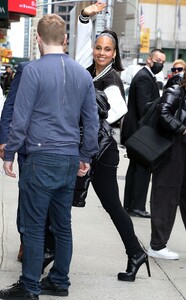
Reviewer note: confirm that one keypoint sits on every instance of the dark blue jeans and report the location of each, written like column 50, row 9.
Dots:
column 46, row 184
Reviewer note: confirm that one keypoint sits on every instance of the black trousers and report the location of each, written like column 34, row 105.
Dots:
column 168, row 191
column 106, row 187
column 136, row 187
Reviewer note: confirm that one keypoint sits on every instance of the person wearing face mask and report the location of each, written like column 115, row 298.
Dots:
column 143, row 89
column 177, row 73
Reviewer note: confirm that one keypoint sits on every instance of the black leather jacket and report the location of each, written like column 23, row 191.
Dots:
column 171, row 118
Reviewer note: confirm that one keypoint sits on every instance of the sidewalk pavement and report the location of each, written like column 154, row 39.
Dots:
column 98, row 253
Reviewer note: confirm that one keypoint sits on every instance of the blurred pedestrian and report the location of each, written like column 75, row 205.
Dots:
column 48, row 89
column 7, row 79
column 143, row 89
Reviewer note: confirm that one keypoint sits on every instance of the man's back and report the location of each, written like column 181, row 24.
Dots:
column 56, row 91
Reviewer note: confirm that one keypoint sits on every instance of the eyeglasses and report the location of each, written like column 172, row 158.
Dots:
column 176, row 69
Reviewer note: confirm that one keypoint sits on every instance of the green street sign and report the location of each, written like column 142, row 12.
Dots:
column 3, row 9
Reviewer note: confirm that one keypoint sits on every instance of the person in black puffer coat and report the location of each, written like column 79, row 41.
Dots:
column 169, row 182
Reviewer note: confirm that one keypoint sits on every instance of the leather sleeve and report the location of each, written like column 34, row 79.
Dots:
column 167, row 111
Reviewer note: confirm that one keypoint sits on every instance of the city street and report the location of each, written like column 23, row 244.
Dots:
column 98, row 253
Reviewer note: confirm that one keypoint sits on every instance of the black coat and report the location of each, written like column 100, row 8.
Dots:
column 109, row 78
column 176, row 79
column 143, row 89
column 168, row 118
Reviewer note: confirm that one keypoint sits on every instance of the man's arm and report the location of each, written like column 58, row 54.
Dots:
column 7, row 112
column 23, row 108
column 90, row 120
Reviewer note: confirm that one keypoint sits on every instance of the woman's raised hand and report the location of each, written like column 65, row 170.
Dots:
column 94, row 8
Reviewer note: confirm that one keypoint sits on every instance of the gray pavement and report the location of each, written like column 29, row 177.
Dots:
column 98, row 253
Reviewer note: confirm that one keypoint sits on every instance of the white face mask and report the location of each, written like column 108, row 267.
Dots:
column 181, row 74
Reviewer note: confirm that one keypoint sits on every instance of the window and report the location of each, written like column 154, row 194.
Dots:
column 61, row 8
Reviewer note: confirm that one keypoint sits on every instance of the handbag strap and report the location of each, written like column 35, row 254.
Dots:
column 149, row 111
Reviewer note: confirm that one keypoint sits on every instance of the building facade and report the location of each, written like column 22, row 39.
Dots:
column 164, row 20
column 11, row 11
column 42, row 8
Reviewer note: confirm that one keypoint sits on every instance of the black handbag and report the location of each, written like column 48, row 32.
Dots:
column 148, row 148
column 81, row 189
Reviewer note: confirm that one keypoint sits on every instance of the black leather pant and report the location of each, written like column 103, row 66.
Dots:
column 106, row 187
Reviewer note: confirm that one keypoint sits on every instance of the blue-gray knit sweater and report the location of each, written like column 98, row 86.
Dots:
column 53, row 93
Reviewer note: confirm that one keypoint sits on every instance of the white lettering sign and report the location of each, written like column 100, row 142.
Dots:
column 2, row 10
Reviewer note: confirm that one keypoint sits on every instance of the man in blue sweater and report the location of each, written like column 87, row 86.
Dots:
column 54, row 92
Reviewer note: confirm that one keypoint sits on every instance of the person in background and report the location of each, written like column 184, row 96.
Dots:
column 6, row 118
column 43, row 118
column 177, row 73
column 8, row 76
column 143, row 89
column 169, row 181
column 103, row 62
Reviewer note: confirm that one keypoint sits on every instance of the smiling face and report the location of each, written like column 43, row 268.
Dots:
column 103, row 52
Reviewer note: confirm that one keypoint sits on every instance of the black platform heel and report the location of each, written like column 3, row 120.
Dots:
column 48, row 258
column 134, row 263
